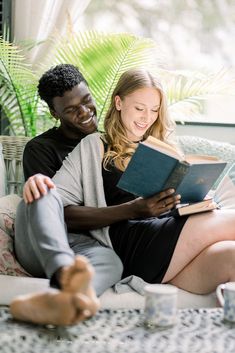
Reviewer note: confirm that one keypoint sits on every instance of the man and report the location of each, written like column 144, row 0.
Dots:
column 42, row 244
column 67, row 95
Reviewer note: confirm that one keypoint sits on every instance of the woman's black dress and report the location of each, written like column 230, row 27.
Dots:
column 145, row 246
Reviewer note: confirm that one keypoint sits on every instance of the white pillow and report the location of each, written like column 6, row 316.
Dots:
column 225, row 192
column 2, row 174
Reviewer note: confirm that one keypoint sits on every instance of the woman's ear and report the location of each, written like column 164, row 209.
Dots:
column 118, row 103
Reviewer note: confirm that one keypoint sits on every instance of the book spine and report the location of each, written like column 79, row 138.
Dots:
column 174, row 180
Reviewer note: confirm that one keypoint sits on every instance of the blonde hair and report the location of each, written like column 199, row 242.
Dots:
column 120, row 148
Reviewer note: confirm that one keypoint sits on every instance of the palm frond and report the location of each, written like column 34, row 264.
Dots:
column 18, row 90
column 102, row 58
column 187, row 91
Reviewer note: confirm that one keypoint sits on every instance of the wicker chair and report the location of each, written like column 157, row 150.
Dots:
column 13, row 147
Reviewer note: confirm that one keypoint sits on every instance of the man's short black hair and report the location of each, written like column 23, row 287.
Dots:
column 57, row 80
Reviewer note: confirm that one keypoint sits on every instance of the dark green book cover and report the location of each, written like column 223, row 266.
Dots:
column 151, row 171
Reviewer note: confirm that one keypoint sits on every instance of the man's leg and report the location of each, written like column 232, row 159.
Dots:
column 42, row 247
column 41, row 243
column 106, row 263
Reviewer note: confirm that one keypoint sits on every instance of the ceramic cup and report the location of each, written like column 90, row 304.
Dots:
column 226, row 296
column 160, row 305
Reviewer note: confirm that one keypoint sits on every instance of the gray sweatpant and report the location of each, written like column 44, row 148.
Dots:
column 43, row 245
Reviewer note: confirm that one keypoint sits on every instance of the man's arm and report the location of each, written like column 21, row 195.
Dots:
column 88, row 218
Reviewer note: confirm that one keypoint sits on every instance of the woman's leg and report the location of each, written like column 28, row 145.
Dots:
column 214, row 265
column 200, row 232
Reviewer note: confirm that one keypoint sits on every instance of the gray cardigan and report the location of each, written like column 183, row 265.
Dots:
column 79, row 180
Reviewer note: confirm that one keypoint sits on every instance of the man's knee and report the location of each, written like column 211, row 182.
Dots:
column 114, row 264
column 108, row 268
column 51, row 198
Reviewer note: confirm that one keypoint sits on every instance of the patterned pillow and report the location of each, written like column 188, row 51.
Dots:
column 8, row 263
column 8, row 205
column 2, row 174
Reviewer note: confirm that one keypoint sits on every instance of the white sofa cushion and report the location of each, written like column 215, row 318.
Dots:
column 11, row 286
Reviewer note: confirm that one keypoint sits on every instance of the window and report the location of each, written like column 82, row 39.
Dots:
column 192, row 35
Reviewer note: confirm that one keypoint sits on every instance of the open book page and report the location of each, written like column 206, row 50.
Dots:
column 194, row 159
column 163, row 147
column 173, row 152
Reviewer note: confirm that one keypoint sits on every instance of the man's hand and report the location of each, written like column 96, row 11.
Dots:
column 36, row 186
column 88, row 218
column 155, row 205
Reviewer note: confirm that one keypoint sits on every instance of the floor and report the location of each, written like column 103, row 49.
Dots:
column 120, row 331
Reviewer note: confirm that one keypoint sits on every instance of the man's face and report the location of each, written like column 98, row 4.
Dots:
column 76, row 111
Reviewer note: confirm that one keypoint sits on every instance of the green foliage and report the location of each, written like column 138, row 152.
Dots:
column 188, row 90
column 102, row 58
column 19, row 100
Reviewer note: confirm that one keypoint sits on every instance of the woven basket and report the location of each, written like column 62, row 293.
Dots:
column 13, row 147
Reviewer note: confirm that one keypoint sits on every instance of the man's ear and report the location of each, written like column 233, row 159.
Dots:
column 118, row 103
column 54, row 114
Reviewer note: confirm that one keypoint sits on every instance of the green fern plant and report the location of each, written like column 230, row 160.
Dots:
column 188, row 90
column 102, row 58
column 19, row 100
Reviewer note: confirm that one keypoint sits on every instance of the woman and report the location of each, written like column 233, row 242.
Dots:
column 195, row 253
column 167, row 250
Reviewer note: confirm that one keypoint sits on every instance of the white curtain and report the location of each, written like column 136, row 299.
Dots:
column 37, row 19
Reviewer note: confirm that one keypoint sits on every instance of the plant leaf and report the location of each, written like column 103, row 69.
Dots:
column 102, row 58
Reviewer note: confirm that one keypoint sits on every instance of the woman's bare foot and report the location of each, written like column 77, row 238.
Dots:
column 53, row 307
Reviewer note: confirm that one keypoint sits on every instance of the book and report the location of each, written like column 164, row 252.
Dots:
column 156, row 166
column 197, row 207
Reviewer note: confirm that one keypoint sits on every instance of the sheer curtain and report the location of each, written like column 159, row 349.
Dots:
column 37, row 19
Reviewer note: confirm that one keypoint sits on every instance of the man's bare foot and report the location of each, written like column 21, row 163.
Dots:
column 53, row 307
column 75, row 302
column 77, row 277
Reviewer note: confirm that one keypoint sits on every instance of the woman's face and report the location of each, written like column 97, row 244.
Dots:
column 139, row 110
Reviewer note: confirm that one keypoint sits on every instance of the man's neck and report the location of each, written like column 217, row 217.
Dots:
column 70, row 134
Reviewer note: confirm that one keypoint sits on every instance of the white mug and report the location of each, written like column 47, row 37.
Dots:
column 226, row 296
column 160, row 305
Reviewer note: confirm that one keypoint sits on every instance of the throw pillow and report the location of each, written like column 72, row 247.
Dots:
column 8, row 205
column 225, row 193
column 8, row 263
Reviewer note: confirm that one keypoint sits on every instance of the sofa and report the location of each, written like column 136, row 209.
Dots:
column 13, row 278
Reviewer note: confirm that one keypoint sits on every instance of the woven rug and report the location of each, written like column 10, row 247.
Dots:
column 117, row 331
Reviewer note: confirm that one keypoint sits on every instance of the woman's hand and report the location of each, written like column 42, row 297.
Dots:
column 36, row 186
column 155, row 205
